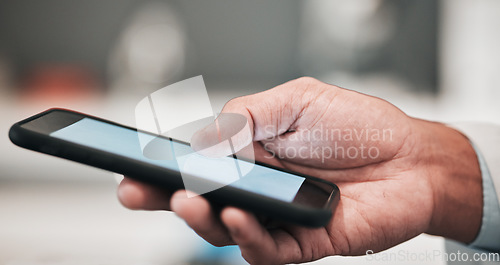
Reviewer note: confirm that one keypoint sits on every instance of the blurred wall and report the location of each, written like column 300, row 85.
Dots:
column 53, row 31
column 253, row 40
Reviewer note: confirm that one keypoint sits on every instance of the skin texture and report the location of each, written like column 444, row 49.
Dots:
column 424, row 177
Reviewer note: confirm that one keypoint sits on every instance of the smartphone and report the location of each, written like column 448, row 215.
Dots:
column 267, row 191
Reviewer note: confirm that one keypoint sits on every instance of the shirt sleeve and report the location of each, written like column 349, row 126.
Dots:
column 489, row 234
column 485, row 138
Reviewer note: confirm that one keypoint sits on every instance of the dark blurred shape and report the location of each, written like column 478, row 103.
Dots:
column 379, row 37
column 150, row 51
column 232, row 40
column 54, row 31
column 252, row 40
column 242, row 40
column 412, row 53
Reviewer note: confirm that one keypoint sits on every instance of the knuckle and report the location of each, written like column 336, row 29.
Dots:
column 305, row 83
column 234, row 103
column 307, row 79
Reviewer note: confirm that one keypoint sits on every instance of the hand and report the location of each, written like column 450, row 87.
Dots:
column 399, row 176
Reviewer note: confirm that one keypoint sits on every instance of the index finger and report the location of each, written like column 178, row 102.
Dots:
column 257, row 244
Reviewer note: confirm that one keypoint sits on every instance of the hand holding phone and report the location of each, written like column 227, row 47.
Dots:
column 387, row 196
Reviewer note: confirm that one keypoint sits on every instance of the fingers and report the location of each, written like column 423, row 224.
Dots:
column 258, row 245
column 198, row 214
column 196, row 211
column 139, row 196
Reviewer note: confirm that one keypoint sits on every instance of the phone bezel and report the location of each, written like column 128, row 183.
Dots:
column 38, row 138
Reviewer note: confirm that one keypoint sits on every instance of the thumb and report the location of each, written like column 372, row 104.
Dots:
column 250, row 118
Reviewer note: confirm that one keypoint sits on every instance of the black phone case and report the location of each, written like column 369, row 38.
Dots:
column 155, row 175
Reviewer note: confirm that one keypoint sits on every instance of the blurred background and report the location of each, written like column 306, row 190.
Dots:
column 436, row 60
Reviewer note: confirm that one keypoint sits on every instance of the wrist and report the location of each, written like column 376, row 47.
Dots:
column 451, row 164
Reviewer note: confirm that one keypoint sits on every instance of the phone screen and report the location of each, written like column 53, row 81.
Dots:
column 125, row 142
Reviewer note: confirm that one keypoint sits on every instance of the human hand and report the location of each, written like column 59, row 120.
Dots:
column 398, row 176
